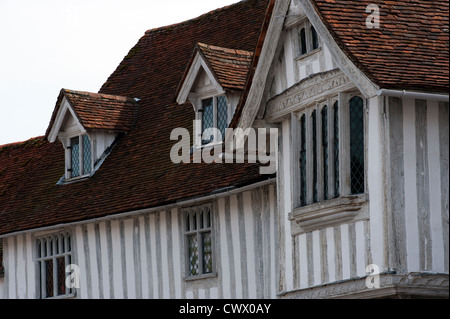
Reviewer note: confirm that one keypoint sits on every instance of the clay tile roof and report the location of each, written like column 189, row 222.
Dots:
column 138, row 173
column 230, row 66
column 410, row 49
column 99, row 111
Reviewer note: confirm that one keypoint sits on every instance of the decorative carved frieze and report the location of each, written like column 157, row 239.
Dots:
column 306, row 92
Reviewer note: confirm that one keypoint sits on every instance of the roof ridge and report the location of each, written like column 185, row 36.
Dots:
column 187, row 22
column 13, row 144
column 102, row 95
column 201, row 45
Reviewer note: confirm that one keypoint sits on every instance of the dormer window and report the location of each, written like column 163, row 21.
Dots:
column 80, row 156
column 214, row 119
column 88, row 126
column 213, row 82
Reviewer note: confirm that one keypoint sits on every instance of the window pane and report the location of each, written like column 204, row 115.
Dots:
column 49, row 278
column 325, row 150
column 314, row 154
column 87, row 158
column 75, row 156
column 207, row 252
column 222, row 115
column 193, row 255
column 207, row 120
column 315, row 41
column 303, row 160
column 61, row 275
column 303, row 48
column 336, row 148
column 357, row 145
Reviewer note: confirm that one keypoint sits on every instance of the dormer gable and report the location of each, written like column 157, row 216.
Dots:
column 213, row 83
column 88, row 124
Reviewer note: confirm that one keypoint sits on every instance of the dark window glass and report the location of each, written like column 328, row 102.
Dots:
column 303, row 48
column 315, row 41
column 314, row 155
column 357, row 145
column 336, row 148
column 325, row 150
column 303, row 160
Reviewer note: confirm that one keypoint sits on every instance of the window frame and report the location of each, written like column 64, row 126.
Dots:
column 310, row 36
column 80, row 156
column 310, row 214
column 199, row 134
column 187, row 213
column 40, row 260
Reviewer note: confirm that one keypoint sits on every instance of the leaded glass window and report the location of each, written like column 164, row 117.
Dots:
column 207, row 121
column 214, row 118
column 199, row 240
column 325, row 150
column 329, row 165
column 53, row 254
column 222, row 114
column 80, row 156
column 336, row 147
column 357, row 145
column 75, row 156
column 87, row 157
column 303, row 160
column 314, row 155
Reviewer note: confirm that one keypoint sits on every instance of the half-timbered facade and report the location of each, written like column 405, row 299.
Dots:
column 357, row 208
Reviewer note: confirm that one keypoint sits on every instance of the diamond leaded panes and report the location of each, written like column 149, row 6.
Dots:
column 207, row 252
column 75, row 156
column 336, row 147
column 53, row 255
column 193, row 255
column 222, row 115
column 314, row 155
column 87, row 157
column 199, row 240
column 325, row 150
column 303, row 160
column 357, row 145
column 207, row 121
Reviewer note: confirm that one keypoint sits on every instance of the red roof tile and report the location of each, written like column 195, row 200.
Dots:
column 99, row 111
column 230, row 66
column 410, row 49
column 138, row 173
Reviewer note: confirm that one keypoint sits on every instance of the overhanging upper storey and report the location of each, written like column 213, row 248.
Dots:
column 87, row 124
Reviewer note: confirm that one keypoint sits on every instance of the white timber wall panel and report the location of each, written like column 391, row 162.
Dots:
column 250, row 243
column 143, row 256
column 436, row 221
column 425, row 180
column 235, row 244
column 332, row 254
column 375, row 181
